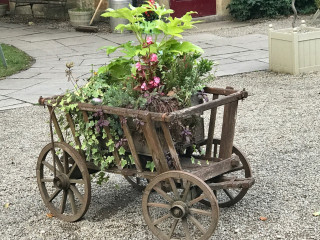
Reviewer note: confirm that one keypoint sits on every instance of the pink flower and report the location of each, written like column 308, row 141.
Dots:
column 143, row 86
column 153, row 58
column 138, row 66
column 149, row 40
column 156, row 80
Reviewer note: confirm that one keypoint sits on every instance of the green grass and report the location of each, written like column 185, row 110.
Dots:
column 17, row 60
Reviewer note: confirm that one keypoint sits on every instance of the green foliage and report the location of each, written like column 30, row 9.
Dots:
column 249, row 9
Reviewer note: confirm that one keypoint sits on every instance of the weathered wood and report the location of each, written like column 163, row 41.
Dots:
column 154, row 145
column 219, row 91
column 213, row 169
column 206, row 106
column 225, row 183
column 132, row 147
column 170, row 143
column 212, row 123
column 125, row 112
column 73, row 131
column 228, row 129
column 55, row 123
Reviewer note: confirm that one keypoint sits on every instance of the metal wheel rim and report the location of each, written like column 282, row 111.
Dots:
column 69, row 192
column 207, row 192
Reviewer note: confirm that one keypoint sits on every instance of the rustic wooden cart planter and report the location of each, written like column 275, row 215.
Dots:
column 180, row 200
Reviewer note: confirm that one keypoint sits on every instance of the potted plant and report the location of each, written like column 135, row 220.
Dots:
column 294, row 50
column 158, row 73
column 80, row 15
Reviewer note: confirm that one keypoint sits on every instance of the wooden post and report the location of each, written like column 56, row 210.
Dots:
column 211, row 129
column 228, row 129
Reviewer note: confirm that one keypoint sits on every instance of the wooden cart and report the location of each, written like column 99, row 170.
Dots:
column 179, row 201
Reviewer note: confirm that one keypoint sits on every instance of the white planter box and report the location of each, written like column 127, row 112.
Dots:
column 295, row 50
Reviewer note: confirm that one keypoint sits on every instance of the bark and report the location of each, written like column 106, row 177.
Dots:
column 295, row 13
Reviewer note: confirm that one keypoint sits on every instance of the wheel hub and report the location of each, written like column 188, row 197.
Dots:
column 62, row 182
column 178, row 209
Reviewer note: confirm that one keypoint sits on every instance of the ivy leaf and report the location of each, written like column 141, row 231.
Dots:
column 192, row 160
column 150, row 165
column 123, row 162
column 122, row 151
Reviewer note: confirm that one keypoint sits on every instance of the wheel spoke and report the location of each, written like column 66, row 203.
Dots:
column 76, row 192
column 48, row 165
column 159, row 205
column 72, row 169
column 159, row 220
column 186, row 228
column 197, row 223
column 186, row 189
column 163, row 194
column 66, row 162
column 72, row 202
column 47, row 180
column 199, row 211
column 79, row 181
column 229, row 194
column 174, row 188
column 198, row 199
column 54, row 194
column 58, row 163
column 173, row 227
column 63, row 202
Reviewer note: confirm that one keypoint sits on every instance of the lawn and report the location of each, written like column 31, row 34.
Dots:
column 16, row 59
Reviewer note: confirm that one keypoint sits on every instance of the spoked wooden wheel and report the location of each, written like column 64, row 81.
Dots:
column 172, row 209
column 65, row 188
column 137, row 182
column 230, row 196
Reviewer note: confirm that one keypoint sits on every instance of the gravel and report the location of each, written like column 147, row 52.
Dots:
column 277, row 127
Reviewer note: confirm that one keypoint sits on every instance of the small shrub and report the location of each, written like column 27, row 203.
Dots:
column 249, row 9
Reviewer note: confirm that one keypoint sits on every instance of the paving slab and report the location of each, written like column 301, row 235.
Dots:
column 240, row 67
column 52, row 49
column 16, row 84
column 2, row 97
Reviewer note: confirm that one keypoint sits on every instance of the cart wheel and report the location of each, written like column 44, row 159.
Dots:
column 172, row 210
column 68, row 194
column 137, row 182
column 229, row 197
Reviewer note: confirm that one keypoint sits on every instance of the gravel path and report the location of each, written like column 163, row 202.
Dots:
column 278, row 128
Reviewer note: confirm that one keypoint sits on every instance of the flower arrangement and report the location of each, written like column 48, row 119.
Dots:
column 158, row 73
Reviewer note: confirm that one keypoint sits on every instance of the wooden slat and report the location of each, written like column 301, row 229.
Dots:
column 154, row 145
column 132, row 147
column 171, row 146
column 214, row 169
column 212, row 123
column 55, row 123
column 228, row 129
column 219, row 91
column 208, row 105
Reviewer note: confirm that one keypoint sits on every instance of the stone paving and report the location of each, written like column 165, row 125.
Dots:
column 53, row 48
